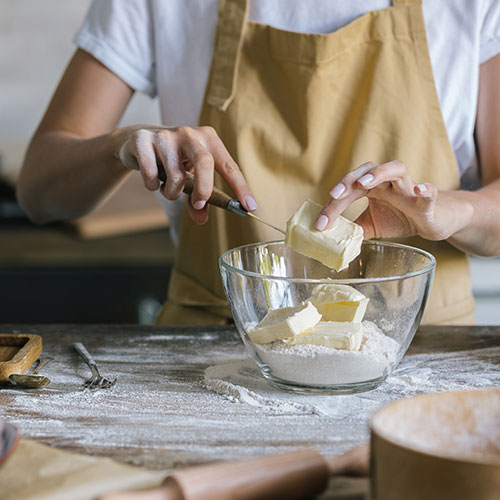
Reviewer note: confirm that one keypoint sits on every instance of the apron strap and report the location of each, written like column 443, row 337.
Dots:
column 226, row 57
column 405, row 3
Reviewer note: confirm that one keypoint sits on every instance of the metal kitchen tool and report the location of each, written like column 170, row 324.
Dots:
column 32, row 380
column 220, row 199
column 96, row 381
column 235, row 206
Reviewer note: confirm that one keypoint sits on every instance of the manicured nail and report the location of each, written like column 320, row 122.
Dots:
column 422, row 188
column 365, row 180
column 251, row 203
column 199, row 204
column 321, row 223
column 337, row 191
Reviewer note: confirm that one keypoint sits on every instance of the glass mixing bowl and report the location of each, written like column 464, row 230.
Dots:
column 395, row 278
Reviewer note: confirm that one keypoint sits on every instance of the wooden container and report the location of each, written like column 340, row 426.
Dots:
column 437, row 446
column 17, row 353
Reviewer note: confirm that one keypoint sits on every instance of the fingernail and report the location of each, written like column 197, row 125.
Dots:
column 251, row 203
column 365, row 180
column 199, row 204
column 321, row 223
column 421, row 187
column 337, row 191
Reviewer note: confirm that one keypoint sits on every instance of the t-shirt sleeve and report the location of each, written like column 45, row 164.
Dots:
column 119, row 33
column 490, row 31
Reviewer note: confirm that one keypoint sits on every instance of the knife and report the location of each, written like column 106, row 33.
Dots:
column 219, row 199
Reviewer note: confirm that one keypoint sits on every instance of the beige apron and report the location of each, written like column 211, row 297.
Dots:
column 297, row 112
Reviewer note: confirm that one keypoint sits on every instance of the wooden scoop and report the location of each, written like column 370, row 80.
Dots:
column 31, row 380
column 288, row 476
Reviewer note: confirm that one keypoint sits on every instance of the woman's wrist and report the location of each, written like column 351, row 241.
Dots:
column 117, row 140
column 472, row 230
column 454, row 212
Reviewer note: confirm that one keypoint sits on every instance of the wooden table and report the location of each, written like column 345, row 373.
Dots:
column 161, row 416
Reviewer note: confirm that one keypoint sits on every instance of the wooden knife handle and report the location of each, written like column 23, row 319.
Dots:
column 218, row 198
column 287, row 476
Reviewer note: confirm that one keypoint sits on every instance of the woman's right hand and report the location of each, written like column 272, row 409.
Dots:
column 176, row 150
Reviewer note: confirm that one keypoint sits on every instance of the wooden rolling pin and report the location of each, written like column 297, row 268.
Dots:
column 293, row 475
column 218, row 199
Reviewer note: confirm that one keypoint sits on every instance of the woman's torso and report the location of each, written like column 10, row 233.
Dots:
column 452, row 30
column 167, row 48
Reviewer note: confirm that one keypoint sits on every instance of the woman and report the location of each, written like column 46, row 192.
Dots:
column 331, row 100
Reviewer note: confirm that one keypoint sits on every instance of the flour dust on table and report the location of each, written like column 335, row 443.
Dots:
column 160, row 415
column 240, row 381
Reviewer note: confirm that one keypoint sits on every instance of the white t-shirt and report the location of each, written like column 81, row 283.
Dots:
column 164, row 48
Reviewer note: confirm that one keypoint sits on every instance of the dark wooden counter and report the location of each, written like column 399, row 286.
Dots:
column 49, row 274
column 160, row 415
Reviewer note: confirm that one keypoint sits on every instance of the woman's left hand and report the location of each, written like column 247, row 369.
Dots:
column 397, row 207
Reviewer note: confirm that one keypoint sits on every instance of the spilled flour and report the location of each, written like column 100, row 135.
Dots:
column 240, row 381
column 161, row 416
column 225, row 379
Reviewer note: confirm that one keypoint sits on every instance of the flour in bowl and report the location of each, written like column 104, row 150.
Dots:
column 319, row 365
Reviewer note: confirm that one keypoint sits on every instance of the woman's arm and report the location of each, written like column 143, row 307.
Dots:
column 70, row 166
column 399, row 208
column 77, row 158
column 481, row 235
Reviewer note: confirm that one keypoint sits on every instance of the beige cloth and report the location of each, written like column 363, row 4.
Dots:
column 297, row 112
column 38, row 472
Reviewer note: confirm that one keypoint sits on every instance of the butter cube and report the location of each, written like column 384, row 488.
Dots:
column 338, row 335
column 335, row 247
column 303, row 319
column 339, row 303
column 284, row 323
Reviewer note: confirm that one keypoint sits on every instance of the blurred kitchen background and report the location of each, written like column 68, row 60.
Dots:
column 113, row 265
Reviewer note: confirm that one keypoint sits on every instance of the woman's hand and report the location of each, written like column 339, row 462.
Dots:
column 177, row 150
column 469, row 220
column 397, row 207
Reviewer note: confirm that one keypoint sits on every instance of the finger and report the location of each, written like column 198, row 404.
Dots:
column 203, row 166
column 171, row 160
column 347, row 184
column 231, row 173
column 334, row 208
column 425, row 190
column 200, row 216
column 366, row 222
column 394, row 172
column 142, row 149
column 426, row 194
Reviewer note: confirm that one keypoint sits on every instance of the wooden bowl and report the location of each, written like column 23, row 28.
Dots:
column 437, row 446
